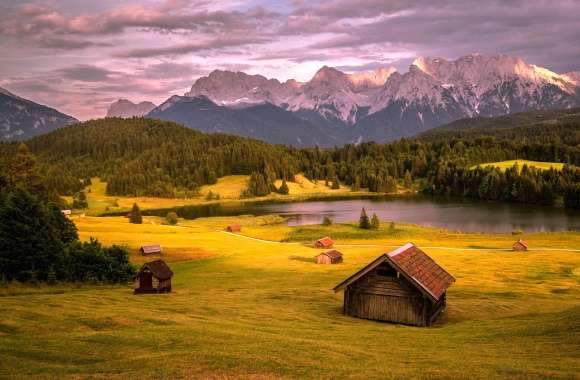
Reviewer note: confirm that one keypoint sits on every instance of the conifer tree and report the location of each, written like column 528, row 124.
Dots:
column 80, row 200
column 363, row 221
column 284, row 188
column 135, row 215
column 408, row 180
column 375, row 222
column 335, row 183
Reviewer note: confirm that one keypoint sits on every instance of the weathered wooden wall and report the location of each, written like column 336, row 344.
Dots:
column 384, row 298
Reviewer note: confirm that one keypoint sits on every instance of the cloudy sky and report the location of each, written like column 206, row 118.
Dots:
column 79, row 56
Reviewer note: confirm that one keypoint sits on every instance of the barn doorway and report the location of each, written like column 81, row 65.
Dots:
column 146, row 280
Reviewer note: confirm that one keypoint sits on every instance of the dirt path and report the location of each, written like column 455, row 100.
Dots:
column 397, row 246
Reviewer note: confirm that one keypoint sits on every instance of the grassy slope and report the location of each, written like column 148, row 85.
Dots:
column 229, row 188
column 503, row 165
column 245, row 308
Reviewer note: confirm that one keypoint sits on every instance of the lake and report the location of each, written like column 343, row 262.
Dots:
column 454, row 214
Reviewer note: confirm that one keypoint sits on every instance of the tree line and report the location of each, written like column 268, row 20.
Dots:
column 144, row 157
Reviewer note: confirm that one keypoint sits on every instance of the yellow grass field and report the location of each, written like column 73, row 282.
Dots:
column 503, row 165
column 246, row 308
column 229, row 189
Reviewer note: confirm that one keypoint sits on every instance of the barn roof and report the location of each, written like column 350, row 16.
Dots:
column 415, row 265
column 523, row 243
column 325, row 241
column 333, row 254
column 159, row 269
column 151, row 248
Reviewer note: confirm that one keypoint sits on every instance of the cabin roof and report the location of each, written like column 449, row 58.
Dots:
column 523, row 243
column 151, row 248
column 159, row 269
column 333, row 254
column 326, row 241
column 415, row 265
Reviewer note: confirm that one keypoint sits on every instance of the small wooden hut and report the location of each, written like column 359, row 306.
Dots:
column 520, row 245
column 153, row 277
column 234, row 228
column 330, row 257
column 66, row 213
column 325, row 242
column 405, row 286
column 154, row 249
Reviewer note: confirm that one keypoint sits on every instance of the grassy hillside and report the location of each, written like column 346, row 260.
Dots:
column 229, row 189
column 503, row 165
column 245, row 308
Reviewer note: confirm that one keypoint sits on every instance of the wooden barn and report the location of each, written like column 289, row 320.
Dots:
column 153, row 277
column 325, row 242
column 146, row 250
column 405, row 286
column 234, row 228
column 520, row 245
column 330, row 257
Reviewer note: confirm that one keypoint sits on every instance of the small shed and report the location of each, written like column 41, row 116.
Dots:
column 325, row 242
column 66, row 213
column 154, row 249
column 330, row 257
column 153, row 277
column 234, row 228
column 404, row 286
column 520, row 245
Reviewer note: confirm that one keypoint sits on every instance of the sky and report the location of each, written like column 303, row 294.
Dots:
column 80, row 56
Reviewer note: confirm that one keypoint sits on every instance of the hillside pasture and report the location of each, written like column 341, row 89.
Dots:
column 503, row 165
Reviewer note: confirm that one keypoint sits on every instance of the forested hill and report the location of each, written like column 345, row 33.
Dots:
column 149, row 157
column 539, row 126
column 156, row 158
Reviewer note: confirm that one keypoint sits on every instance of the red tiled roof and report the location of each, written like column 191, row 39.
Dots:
column 422, row 269
column 523, row 243
column 334, row 254
column 325, row 241
column 415, row 265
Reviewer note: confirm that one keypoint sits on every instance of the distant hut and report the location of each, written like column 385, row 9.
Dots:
column 520, row 245
column 325, row 242
column 330, row 257
column 153, row 277
column 405, row 286
column 66, row 213
column 234, row 228
column 154, row 249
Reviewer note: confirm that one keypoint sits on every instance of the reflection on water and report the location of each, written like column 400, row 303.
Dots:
column 462, row 215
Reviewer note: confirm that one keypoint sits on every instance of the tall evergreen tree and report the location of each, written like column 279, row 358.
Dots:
column 363, row 221
column 284, row 188
column 135, row 215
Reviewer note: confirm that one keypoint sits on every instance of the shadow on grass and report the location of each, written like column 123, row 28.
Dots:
column 304, row 259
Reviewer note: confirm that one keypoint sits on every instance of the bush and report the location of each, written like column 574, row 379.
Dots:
column 171, row 218
column 284, row 190
column 327, row 221
column 375, row 222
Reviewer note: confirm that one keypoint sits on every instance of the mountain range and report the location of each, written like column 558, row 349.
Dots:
column 21, row 118
column 379, row 105
column 126, row 108
column 334, row 108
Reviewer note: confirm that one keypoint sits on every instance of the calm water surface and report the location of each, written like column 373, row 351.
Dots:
column 461, row 215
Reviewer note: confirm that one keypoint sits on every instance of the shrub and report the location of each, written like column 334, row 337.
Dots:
column 375, row 222
column 327, row 221
column 171, row 218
